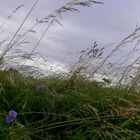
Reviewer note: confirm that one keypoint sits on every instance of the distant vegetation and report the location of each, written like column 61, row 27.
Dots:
column 95, row 100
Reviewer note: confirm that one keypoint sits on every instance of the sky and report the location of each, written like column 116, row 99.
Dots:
column 106, row 24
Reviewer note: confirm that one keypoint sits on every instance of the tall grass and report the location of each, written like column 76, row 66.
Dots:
column 84, row 110
column 95, row 100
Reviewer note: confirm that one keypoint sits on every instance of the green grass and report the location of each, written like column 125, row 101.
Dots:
column 62, row 111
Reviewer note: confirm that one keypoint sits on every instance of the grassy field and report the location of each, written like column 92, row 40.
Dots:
column 68, row 106
column 62, row 109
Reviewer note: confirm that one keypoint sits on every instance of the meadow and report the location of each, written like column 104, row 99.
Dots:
column 73, row 105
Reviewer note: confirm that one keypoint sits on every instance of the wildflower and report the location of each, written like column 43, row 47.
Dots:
column 13, row 113
column 38, row 88
column 11, row 116
column 9, row 119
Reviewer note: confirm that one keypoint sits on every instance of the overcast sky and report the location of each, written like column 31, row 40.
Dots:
column 106, row 24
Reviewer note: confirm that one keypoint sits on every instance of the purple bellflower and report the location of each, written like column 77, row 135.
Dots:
column 11, row 116
column 38, row 88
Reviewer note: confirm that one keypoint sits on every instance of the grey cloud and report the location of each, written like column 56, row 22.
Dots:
column 102, row 23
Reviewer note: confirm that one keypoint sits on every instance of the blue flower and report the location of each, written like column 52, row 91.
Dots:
column 9, row 119
column 13, row 113
column 11, row 116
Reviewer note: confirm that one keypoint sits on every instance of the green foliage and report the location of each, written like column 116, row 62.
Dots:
column 87, row 111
